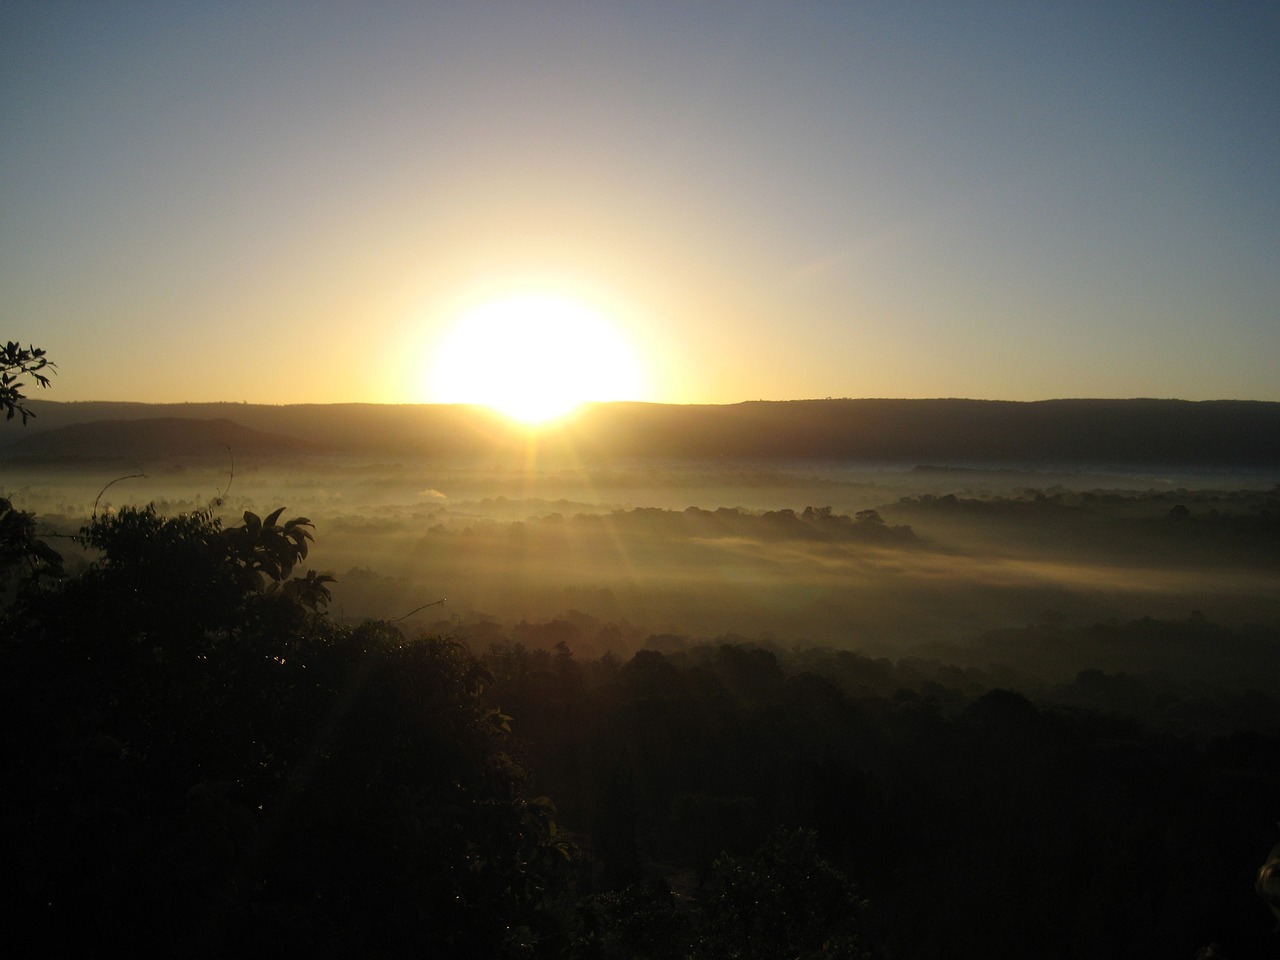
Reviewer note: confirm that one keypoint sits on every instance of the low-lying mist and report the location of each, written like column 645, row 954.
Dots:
column 888, row 559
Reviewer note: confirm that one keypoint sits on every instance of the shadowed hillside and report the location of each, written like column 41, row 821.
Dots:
column 147, row 438
column 1236, row 434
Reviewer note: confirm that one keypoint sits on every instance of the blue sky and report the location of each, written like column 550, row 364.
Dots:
column 295, row 202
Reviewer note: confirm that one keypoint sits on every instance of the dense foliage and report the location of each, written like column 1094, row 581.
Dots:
column 196, row 758
column 977, row 822
column 24, row 558
column 18, row 361
column 199, row 760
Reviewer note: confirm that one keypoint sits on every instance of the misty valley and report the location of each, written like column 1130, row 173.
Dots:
column 645, row 707
column 881, row 559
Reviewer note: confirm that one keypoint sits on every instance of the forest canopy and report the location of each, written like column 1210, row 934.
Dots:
column 199, row 756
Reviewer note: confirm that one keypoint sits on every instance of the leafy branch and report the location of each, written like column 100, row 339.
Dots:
column 15, row 362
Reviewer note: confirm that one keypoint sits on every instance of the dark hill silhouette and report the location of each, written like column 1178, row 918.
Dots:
column 150, row 439
column 1112, row 433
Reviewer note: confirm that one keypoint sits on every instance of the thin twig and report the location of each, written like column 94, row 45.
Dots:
column 433, row 603
column 231, row 476
column 132, row 476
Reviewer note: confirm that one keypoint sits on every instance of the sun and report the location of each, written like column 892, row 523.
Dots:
column 535, row 358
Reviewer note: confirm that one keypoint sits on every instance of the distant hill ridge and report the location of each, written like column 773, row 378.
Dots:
column 1219, row 433
column 148, row 438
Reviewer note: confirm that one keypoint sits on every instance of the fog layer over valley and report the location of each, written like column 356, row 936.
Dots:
column 883, row 558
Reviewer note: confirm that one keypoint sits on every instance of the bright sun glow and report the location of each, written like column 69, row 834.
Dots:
column 534, row 358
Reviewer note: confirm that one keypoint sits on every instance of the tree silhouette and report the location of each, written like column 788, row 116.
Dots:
column 198, row 759
column 23, row 558
column 783, row 901
column 16, row 361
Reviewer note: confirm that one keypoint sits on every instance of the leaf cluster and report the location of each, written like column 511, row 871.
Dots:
column 258, row 555
column 784, row 900
column 17, row 361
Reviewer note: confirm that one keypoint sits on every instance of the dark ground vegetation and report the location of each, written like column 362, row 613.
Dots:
column 200, row 761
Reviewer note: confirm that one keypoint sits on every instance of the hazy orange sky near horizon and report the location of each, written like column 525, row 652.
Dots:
column 295, row 203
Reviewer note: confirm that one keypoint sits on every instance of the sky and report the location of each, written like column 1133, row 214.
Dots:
column 295, row 202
